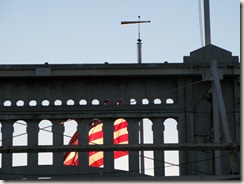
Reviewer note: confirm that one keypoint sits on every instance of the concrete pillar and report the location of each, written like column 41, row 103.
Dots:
column 108, row 130
column 32, row 132
column 158, row 137
column 58, row 130
column 133, row 131
column 7, row 140
column 83, row 129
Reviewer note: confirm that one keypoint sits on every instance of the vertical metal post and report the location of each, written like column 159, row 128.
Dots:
column 223, row 116
column 142, row 142
column 139, row 45
column 216, row 131
column 207, row 22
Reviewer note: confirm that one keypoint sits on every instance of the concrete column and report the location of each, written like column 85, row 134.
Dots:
column 133, row 131
column 158, row 137
column 32, row 132
column 7, row 140
column 58, row 131
column 108, row 130
column 83, row 129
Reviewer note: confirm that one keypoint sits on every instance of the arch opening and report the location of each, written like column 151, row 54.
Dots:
column 171, row 158
column 146, row 137
column 45, row 137
column 7, row 103
column 83, row 102
column 121, row 159
column 95, row 102
column 145, row 101
column 57, row 102
column 169, row 101
column 19, row 139
column 32, row 103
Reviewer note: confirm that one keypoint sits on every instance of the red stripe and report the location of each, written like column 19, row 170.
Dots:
column 121, row 138
column 95, row 136
column 92, row 153
column 74, row 138
column 118, row 154
column 70, row 162
column 121, row 125
column 76, row 162
column 97, row 163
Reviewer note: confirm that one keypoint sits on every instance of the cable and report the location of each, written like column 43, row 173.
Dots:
column 111, row 172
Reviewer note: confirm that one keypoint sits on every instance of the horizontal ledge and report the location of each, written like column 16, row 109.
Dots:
column 124, row 147
column 152, row 69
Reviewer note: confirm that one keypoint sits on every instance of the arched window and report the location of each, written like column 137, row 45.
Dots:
column 70, row 102
column 95, row 102
column 32, row 103
column 171, row 158
column 146, row 137
column 20, row 103
column 132, row 101
column 57, row 102
column 7, row 103
column 169, row 101
column 45, row 137
column 19, row 139
column 83, row 102
column 96, row 158
column 157, row 101
column 70, row 127
column 145, row 101
column 45, row 103
column 121, row 161
column 70, row 138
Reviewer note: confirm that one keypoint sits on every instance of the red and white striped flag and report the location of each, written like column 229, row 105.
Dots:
column 96, row 158
column 120, row 136
column 96, row 137
column 71, row 158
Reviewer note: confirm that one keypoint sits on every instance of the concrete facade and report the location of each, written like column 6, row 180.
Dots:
column 59, row 92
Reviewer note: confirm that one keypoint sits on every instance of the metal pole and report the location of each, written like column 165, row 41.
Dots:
column 223, row 116
column 217, row 162
column 207, row 22
column 139, row 44
column 142, row 142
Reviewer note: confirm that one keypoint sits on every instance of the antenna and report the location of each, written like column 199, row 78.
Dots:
column 139, row 44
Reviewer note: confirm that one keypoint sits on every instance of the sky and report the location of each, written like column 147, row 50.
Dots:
column 89, row 31
column 82, row 31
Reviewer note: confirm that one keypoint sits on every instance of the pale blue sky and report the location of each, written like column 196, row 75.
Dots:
column 89, row 31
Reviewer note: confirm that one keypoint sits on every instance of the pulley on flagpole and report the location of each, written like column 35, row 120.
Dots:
column 139, row 44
